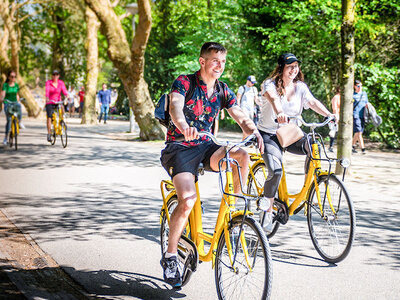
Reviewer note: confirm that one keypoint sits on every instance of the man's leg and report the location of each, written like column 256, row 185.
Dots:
column 106, row 109
column 242, row 158
column 186, row 192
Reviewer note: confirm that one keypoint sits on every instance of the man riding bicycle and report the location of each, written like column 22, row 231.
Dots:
column 184, row 149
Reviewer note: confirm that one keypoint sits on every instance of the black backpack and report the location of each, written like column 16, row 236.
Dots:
column 161, row 111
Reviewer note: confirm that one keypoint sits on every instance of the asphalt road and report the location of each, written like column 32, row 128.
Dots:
column 94, row 208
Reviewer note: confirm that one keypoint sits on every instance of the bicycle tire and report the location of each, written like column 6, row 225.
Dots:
column 164, row 229
column 53, row 130
column 64, row 136
column 255, row 283
column 251, row 190
column 11, row 135
column 15, row 123
column 332, row 235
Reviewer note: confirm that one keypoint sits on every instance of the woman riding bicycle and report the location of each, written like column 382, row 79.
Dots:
column 54, row 88
column 10, row 96
column 284, row 94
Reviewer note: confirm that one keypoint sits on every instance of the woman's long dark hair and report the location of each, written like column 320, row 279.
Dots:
column 8, row 75
column 276, row 76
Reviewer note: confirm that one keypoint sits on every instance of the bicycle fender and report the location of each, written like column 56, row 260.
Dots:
column 234, row 215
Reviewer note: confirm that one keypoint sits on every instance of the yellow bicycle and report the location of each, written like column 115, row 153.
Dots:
column 58, row 126
column 330, row 214
column 14, row 129
column 238, row 247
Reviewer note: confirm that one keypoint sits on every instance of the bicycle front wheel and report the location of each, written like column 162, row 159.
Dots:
column 255, row 186
column 251, row 276
column 15, row 125
column 11, row 135
column 64, row 136
column 332, row 230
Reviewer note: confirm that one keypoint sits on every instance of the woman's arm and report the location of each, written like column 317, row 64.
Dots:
column 273, row 98
column 319, row 108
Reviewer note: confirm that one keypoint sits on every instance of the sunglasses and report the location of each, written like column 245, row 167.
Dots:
column 13, row 76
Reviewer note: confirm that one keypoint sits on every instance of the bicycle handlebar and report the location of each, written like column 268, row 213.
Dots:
column 251, row 139
column 313, row 125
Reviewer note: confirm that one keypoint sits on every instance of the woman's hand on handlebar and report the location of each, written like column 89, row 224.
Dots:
column 282, row 118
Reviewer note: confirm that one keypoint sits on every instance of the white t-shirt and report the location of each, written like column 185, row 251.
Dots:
column 292, row 108
column 248, row 95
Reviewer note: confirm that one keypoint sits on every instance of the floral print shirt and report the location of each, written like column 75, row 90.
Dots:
column 200, row 111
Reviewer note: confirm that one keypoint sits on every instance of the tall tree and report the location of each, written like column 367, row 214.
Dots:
column 10, row 17
column 129, row 61
column 345, row 133
column 92, row 28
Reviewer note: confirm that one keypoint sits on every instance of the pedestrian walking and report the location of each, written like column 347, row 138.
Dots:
column 104, row 101
column 360, row 101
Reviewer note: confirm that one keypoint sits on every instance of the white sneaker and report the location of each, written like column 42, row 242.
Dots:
column 267, row 225
column 5, row 141
column 22, row 126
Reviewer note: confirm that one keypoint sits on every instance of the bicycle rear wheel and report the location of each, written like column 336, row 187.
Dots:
column 332, row 231
column 64, row 136
column 164, row 231
column 260, row 172
column 250, row 279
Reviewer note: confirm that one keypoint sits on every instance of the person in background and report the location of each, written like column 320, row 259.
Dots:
column 10, row 96
column 104, row 100
column 247, row 97
column 333, row 127
column 81, row 95
column 71, row 100
column 54, row 88
column 360, row 100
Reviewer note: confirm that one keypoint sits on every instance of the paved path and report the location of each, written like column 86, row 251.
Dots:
column 94, row 208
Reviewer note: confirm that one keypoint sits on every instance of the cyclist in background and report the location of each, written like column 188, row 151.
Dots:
column 184, row 149
column 284, row 94
column 10, row 95
column 54, row 88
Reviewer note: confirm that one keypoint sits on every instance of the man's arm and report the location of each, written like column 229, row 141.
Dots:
column 177, row 101
column 246, row 124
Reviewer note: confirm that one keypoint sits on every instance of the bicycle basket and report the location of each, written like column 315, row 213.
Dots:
column 12, row 108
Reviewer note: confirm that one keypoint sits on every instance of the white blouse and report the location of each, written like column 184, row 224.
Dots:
column 292, row 108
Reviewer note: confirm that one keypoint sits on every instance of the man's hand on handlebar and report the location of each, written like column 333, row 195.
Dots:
column 190, row 133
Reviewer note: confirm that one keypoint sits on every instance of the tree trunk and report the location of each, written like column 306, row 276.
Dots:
column 92, row 69
column 30, row 103
column 345, row 133
column 130, row 62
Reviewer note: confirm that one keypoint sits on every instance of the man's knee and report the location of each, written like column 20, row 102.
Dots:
column 186, row 204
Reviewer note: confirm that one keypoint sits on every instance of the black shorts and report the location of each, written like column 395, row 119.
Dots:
column 50, row 108
column 358, row 125
column 176, row 158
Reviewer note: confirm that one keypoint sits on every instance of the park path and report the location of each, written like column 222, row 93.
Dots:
column 94, row 209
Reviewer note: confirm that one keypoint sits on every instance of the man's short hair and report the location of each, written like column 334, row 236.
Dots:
column 208, row 47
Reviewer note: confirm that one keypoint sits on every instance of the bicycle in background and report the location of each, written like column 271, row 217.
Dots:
column 58, row 126
column 14, row 129
column 238, row 246
column 327, row 204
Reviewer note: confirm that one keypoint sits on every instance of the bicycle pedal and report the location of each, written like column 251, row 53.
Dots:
column 282, row 213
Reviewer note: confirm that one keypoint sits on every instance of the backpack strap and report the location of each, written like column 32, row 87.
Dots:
column 192, row 86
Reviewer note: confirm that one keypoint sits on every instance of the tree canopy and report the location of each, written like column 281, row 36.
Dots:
column 255, row 32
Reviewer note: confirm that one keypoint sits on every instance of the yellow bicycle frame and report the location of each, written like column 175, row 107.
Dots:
column 57, row 123
column 314, row 172
column 14, row 131
column 226, row 213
